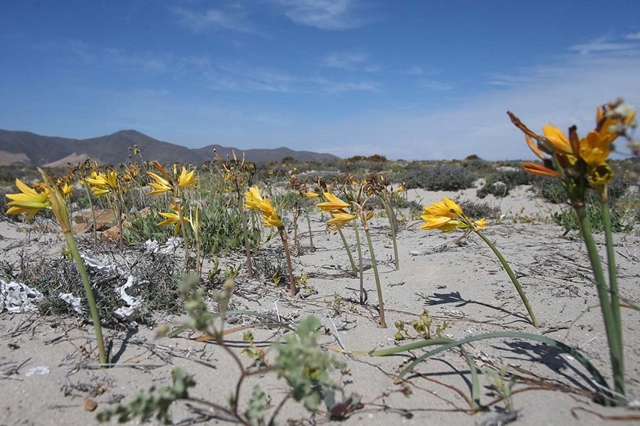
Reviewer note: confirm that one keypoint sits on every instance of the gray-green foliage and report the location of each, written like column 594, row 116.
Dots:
column 300, row 361
column 443, row 177
column 157, row 402
column 620, row 220
column 304, row 365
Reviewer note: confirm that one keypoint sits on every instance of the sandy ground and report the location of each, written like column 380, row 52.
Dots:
column 48, row 371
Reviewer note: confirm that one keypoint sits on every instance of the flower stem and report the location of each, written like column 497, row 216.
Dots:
column 285, row 245
column 383, row 323
column 346, row 247
column 393, row 222
column 245, row 231
column 610, row 308
column 178, row 203
column 310, row 233
column 93, row 309
column 513, row 277
column 360, row 271
column 93, row 214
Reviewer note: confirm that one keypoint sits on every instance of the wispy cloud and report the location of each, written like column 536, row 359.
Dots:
column 633, row 36
column 416, row 70
column 215, row 19
column 325, row 14
column 602, row 44
column 435, row 85
column 246, row 78
column 345, row 60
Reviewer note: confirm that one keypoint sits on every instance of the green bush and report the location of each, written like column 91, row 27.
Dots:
column 442, row 177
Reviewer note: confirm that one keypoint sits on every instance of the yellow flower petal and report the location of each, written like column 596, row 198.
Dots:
column 333, row 203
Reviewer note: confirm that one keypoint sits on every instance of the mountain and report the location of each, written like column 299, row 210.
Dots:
column 263, row 155
column 30, row 149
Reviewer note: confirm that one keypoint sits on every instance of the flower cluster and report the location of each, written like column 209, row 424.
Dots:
column 339, row 210
column 580, row 163
column 167, row 183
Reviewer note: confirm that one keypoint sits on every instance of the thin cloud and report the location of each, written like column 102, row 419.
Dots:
column 324, row 14
column 600, row 45
column 633, row 36
column 243, row 78
column 413, row 71
column 345, row 60
column 435, row 85
column 214, row 19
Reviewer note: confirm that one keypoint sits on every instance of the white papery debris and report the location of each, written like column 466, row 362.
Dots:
column 132, row 302
column 17, row 297
column 168, row 248
column 75, row 302
column 98, row 264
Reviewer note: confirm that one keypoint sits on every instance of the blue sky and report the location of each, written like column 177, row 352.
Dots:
column 411, row 79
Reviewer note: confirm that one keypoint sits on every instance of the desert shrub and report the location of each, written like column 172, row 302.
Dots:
column 477, row 165
column 441, row 177
column 156, row 276
column 503, row 180
column 551, row 190
column 622, row 220
column 477, row 210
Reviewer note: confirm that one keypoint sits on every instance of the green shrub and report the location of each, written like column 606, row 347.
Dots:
column 442, row 177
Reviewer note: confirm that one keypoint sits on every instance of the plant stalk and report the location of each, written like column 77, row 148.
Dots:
column 93, row 309
column 513, row 277
column 383, row 323
column 612, row 326
column 285, row 244
column 346, row 247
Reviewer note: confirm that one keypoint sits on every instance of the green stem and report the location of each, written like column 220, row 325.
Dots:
column 513, row 277
column 613, row 327
column 285, row 244
column 613, row 275
column 245, row 231
column 119, row 215
column 360, row 271
column 178, row 203
column 93, row 309
column 310, row 233
column 383, row 323
column 393, row 223
column 93, row 214
column 346, row 247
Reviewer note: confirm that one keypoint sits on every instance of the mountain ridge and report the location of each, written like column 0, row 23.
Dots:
column 19, row 147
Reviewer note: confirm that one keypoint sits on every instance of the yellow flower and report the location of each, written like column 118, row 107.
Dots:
column 333, row 204
column 253, row 198
column 446, row 216
column 102, row 184
column 172, row 219
column 27, row 201
column 66, row 190
column 447, row 207
column 558, row 139
column 255, row 201
column 311, row 194
column 160, row 186
column 340, row 218
column 271, row 218
column 443, row 223
column 187, row 179
column 166, row 182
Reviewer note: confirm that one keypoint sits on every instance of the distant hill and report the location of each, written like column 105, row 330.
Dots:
column 30, row 149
